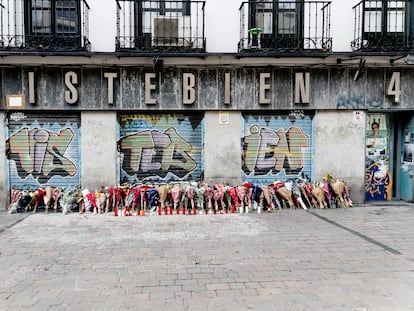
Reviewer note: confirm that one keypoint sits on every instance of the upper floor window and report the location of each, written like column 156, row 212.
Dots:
column 383, row 25
column 161, row 20
column 46, row 17
column 278, row 18
column 45, row 24
column 285, row 25
column 160, row 25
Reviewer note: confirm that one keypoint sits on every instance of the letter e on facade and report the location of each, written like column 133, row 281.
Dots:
column 149, row 87
column 263, row 87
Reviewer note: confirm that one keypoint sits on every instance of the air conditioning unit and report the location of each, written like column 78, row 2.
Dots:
column 171, row 31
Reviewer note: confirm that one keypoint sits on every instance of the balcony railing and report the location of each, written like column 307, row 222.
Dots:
column 285, row 26
column 383, row 26
column 160, row 26
column 45, row 25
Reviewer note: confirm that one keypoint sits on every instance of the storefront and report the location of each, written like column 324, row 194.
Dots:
column 277, row 147
column 104, row 126
column 43, row 149
column 160, row 147
column 389, row 156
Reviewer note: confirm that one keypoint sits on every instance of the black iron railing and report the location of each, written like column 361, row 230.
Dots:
column 160, row 26
column 285, row 26
column 46, row 25
column 383, row 26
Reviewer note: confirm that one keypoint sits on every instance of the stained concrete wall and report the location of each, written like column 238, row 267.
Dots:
column 99, row 153
column 223, row 162
column 329, row 88
column 340, row 149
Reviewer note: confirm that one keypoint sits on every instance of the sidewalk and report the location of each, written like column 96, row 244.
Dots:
column 360, row 258
column 9, row 220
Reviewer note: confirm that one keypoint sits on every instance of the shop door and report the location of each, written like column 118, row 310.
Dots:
column 277, row 147
column 406, row 165
column 43, row 150
column 160, row 147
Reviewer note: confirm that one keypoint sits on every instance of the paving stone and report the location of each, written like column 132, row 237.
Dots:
column 356, row 259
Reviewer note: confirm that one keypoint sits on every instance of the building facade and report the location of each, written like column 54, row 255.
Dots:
column 105, row 92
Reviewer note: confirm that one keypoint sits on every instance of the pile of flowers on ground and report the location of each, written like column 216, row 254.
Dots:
column 185, row 198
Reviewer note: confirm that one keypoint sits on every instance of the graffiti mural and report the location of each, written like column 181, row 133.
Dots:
column 160, row 148
column 38, row 153
column 378, row 180
column 277, row 148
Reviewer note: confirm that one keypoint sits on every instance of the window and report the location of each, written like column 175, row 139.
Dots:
column 52, row 18
column 385, row 23
column 281, row 22
column 159, row 22
column 286, row 18
column 160, row 25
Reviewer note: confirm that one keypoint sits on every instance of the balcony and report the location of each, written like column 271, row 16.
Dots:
column 44, row 25
column 285, row 27
column 383, row 26
column 157, row 26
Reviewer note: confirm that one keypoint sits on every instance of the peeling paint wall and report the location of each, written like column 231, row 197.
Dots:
column 222, row 147
column 340, row 148
column 329, row 88
column 99, row 155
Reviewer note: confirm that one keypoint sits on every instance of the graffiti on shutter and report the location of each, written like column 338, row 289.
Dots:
column 43, row 150
column 276, row 148
column 160, row 148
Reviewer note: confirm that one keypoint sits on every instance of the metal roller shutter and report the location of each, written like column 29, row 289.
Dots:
column 277, row 147
column 43, row 150
column 160, row 147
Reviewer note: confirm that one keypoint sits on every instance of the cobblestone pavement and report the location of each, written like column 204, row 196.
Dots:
column 345, row 259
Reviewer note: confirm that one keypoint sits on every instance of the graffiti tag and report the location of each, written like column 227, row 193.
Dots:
column 151, row 152
column 358, row 102
column 40, row 153
column 266, row 150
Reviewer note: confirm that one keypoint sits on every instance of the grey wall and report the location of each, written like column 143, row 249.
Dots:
column 223, row 162
column 99, row 153
column 340, row 149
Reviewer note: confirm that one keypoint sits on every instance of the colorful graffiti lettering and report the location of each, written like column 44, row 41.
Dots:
column 41, row 153
column 151, row 152
column 267, row 150
column 378, row 182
